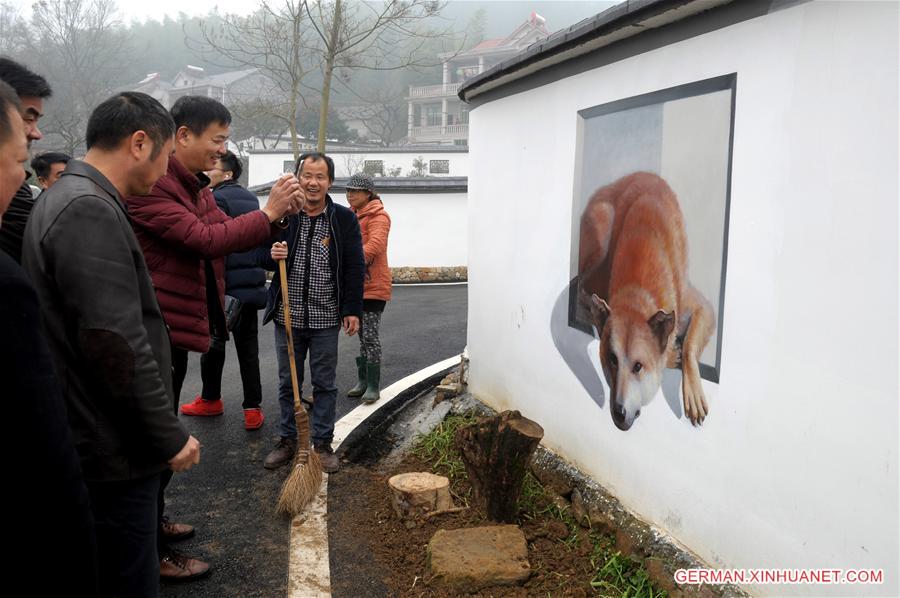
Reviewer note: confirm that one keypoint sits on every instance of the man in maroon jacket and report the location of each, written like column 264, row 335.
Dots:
column 185, row 238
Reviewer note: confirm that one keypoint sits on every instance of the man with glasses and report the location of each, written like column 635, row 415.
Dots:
column 185, row 238
column 245, row 283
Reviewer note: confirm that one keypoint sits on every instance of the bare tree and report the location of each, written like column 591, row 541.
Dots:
column 273, row 40
column 12, row 30
column 260, row 118
column 353, row 163
column 384, row 115
column 78, row 46
column 368, row 35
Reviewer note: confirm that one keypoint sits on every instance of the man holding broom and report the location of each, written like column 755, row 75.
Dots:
column 325, row 270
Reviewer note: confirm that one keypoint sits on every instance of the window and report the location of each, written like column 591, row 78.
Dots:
column 439, row 166
column 288, row 166
column 433, row 115
column 374, row 167
column 464, row 72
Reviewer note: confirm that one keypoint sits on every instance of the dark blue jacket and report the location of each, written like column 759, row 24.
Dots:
column 244, row 279
column 348, row 264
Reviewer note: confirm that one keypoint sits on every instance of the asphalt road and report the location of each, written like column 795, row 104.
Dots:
column 231, row 499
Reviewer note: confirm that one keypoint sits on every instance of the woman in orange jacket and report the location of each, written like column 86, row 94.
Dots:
column 375, row 225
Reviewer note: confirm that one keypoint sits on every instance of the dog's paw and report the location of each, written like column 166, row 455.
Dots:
column 695, row 406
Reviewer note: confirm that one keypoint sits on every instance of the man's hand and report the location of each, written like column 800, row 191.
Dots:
column 279, row 250
column 187, row 457
column 351, row 325
column 285, row 199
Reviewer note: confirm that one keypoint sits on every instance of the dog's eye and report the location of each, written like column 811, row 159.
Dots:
column 613, row 361
column 637, row 367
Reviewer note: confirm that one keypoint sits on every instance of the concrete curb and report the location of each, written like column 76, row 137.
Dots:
column 431, row 284
column 309, row 575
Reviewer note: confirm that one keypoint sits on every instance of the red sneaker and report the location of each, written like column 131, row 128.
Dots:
column 253, row 419
column 201, row 407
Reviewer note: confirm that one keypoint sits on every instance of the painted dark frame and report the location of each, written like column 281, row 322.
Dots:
column 687, row 90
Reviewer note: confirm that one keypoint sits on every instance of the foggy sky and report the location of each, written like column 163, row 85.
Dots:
column 502, row 15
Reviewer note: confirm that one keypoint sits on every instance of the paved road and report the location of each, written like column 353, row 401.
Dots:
column 231, row 498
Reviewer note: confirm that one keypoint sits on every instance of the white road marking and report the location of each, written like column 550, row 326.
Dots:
column 309, row 575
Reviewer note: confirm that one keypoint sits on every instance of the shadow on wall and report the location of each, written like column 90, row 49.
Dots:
column 572, row 345
column 575, row 348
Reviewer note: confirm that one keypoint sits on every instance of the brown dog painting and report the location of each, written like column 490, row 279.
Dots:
column 633, row 274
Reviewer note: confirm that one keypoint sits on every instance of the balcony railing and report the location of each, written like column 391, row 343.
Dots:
column 439, row 133
column 434, row 91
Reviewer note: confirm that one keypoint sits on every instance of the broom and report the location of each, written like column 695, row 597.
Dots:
column 306, row 472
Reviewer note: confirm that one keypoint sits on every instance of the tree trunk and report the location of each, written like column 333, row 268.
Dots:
column 331, row 52
column 292, row 123
column 496, row 452
column 418, row 493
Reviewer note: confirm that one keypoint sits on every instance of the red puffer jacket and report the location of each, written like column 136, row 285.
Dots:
column 179, row 226
column 375, row 225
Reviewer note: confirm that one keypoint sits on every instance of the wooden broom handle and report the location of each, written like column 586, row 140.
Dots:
column 285, row 303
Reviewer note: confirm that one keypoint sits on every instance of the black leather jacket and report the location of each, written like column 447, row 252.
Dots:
column 104, row 326
column 14, row 220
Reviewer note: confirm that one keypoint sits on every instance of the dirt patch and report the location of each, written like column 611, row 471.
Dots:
column 375, row 553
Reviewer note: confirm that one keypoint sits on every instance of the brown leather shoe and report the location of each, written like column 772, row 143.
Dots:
column 282, row 453
column 330, row 462
column 173, row 532
column 176, row 567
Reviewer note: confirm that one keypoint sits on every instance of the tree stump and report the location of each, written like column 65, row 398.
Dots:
column 496, row 452
column 418, row 493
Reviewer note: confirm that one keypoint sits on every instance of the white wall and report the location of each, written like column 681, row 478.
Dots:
column 796, row 465
column 265, row 168
column 427, row 229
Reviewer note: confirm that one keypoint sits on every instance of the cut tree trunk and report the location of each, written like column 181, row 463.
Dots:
column 418, row 493
column 496, row 452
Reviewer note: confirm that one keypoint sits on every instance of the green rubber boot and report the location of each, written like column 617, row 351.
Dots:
column 373, row 377
column 360, row 388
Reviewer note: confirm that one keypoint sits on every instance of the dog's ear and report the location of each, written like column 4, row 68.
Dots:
column 599, row 312
column 662, row 324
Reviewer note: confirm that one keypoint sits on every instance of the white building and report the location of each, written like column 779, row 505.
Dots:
column 796, row 465
column 435, row 161
column 429, row 219
column 435, row 113
column 228, row 88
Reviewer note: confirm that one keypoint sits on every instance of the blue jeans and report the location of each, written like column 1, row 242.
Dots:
column 322, row 345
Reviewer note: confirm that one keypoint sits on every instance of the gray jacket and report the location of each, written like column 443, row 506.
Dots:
column 105, row 329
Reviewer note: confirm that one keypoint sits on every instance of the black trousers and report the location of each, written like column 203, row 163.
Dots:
column 179, row 371
column 246, row 342
column 126, row 524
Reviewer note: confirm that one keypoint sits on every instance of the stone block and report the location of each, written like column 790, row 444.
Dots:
column 466, row 560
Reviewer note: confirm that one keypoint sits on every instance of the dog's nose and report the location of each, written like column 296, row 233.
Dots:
column 620, row 410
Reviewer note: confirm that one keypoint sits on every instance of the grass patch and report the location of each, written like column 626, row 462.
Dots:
column 614, row 574
column 437, row 448
column 618, row 575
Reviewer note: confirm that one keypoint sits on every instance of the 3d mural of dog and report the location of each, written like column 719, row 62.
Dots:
column 633, row 273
